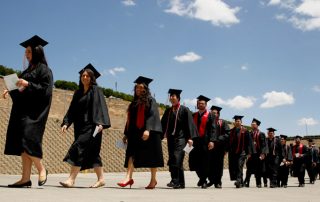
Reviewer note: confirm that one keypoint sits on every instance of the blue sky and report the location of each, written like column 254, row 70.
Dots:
column 254, row 58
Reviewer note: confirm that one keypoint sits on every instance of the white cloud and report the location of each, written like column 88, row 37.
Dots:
column 274, row 2
column 307, row 121
column 115, row 70
column 316, row 88
column 215, row 11
column 275, row 99
column 192, row 102
column 303, row 15
column 188, row 57
column 238, row 102
column 128, row 3
column 244, row 67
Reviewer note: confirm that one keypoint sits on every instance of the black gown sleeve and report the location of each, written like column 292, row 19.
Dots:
column 44, row 80
column 192, row 131
column 263, row 143
column 99, row 108
column 211, row 136
column 153, row 122
column 69, row 117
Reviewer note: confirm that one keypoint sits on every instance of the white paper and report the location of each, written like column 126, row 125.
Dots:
column 95, row 131
column 187, row 148
column 281, row 164
column 121, row 145
column 297, row 155
column 11, row 81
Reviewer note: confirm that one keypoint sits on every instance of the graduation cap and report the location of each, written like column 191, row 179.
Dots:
column 174, row 91
column 142, row 79
column 204, row 98
column 271, row 129
column 298, row 136
column 283, row 136
column 215, row 108
column 89, row 66
column 256, row 121
column 34, row 41
column 236, row 117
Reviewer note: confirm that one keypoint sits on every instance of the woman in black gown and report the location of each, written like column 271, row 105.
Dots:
column 142, row 134
column 88, row 112
column 30, row 109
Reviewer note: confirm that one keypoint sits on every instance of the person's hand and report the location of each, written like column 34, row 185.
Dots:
column 190, row 142
column 22, row 83
column 5, row 93
column 100, row 128
column 145, row 135
column 248, row 156
column 125, row 139
column 210, row 145
column 64, row 128
column 262, row 156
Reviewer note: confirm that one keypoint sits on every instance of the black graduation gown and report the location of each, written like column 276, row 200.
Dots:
column 238, row 152
column 145, row 154
column 86, row 111
column 199, row 156
column 185, row 130
column 283, row 173
column 299, row 163
column 273, row 159
column 259, row 146
column 29, row 113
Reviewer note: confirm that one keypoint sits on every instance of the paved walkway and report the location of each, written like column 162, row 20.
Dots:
column 52, row 191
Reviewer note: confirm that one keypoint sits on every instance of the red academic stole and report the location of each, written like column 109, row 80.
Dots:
column 204, row 119
column 240, row 146
column 255, row 138
column 140, row 117
column 294, row 150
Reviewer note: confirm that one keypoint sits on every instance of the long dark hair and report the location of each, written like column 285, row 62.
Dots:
column 92, row 79
column 142, row 99
column 38, row 56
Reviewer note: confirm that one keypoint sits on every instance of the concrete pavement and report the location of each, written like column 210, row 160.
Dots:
column 52, row 191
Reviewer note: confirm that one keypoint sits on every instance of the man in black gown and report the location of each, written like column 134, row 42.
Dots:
column 199, row 156
column 256, row 163
column 273, row 157
column 239, row 150
column 220, row 130
column 179, row 129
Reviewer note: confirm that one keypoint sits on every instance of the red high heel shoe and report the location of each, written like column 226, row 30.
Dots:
column 151, row 187
column 130, row 182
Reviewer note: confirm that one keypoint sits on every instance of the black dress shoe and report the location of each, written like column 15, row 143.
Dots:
column 27, row 184
column 238, row 184
column 209, row 184
column 218, row 186
column 199, row 183
column 40, row 183
column 178, row 186
column 265, row 185
column 259, row 185
column 285, row 186
column 170, row 184
column 204, row 186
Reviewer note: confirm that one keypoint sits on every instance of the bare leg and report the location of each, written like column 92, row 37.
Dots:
column 26, row 168
column 72, row 177
column 129, row 171
column 38, row 164
column 100, row 182
column 99, row 172
column 153, row 181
